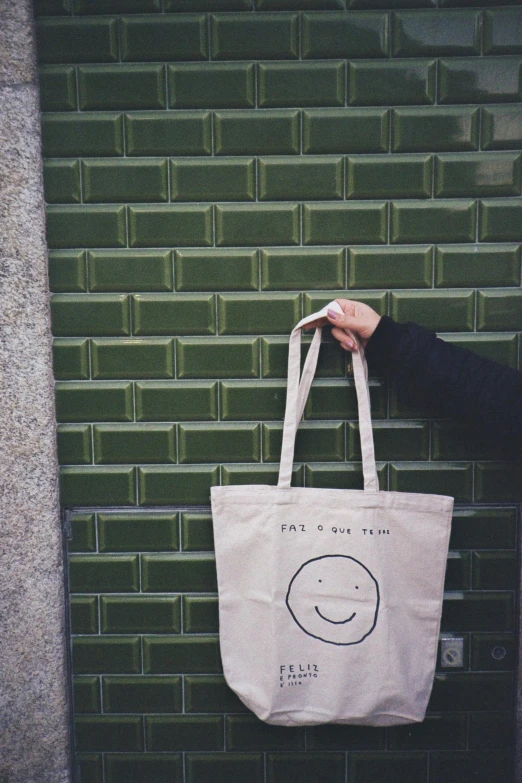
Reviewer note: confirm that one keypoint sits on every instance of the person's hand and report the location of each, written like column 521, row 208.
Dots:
column 357, row 317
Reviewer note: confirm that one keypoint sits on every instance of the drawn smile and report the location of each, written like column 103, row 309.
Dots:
column 335, row 622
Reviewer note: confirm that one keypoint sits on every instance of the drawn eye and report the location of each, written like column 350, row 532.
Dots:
column 320, row 580
column 356, row 587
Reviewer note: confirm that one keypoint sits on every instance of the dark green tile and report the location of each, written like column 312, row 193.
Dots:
column 301, row 84
column 479, row 80
column 274, row 350
column 490, row 528
column 140, row 615
column 173, row 485
column 341, row 35
column 424, row 33
column 67, row 271
column 144, row 767
column 391, row 3
column 129, row 270
column 234, row 357
column 298, row 269
column 436, row 732
column 221, row 768
column 323, row 442
column 433, row 221
column 211, row 695
column 84, row 614
column 314, row 767
column 218, row 179
column 121, row 86
column 93, row 486
column 142, row 694
column 97, row 573
column 90, row 766
column 498, row 482
column 74, row 444
column 94, row 401
column 495, row 571
column 184, row 654
column 91, row 314
column 124, row 180
column 500, row 220
column 77, row 41
column 208, row 5
column 71, row 359
column 258, row 474
column 85, row 226
column 61, row 181
column 398, row 82
column 249, row 733
column 477, row 174
column 196, row 532
column 211, row 86
column 104, row 732
column 435, row 129
column 134, row 443
column 471, row 766
column 255, row 313
column 477, row 611
column 116, row 6
column 168, row 133
column 319, row 5
column 161, row 38
column 216, row 270
column 499, row 347
column 132, row 358
column 259, row 37
column 409, row 767
column 350, row 223
column 164, row 226
column 200, row 614
column 51, row 7
column 254, row 132
column 501, row 31
column 247, row 400
column 86, row 694
column 448, row 478
column 490, row 731
column 337, row 400
column 178, row 573
column 441, row 310
column 107, row 655
column 481, row 265
column 260, row 224
column 176, row 401
column 458, row 571
column 82, row 537
column 392, row 439
column 69, row 135
column 451, row 440
column 493, row 652
column 397, row 176
column 502, row 127
column 345, row 130
column 332, row 737
column 341, row 476
column 219, row 443
column 301, row 178
column 375, row 299
column 499, row 310
column 173, row 314
column 393, row 267
column 189, row 732
column 128, row 532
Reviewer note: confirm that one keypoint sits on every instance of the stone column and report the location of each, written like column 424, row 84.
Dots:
column 35, row 741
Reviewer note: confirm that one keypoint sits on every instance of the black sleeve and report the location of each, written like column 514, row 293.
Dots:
column 451, row 381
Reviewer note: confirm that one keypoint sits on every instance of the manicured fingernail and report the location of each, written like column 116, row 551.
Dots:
column 348, row 345
column 332, row 314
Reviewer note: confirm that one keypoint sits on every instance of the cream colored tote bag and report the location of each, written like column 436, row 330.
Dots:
column 329, row 599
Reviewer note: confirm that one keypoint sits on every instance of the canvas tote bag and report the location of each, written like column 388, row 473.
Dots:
column 329, row 599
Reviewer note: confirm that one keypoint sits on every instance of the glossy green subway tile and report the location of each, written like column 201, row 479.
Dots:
column 140, row 615
column 398, row 82
column 337, row 400
column 162, row 225
column 498, row 482
column 451, row 440
column 274, row 357
column 183, row 654
column 74, row 444
column 85, row 226
column 458, row 571
column 61, row 181
column 200, row 614
column 499, row 310
column 477, row 174
column 96, row 573
column 441, row 221
column 375, row 176
column 173, row 314
column 124, row 532
column 129, row 270
column 436, row 732
column 249, row 733
column 67, row 273
column 89, row 314
column 235, row 357
column 449, row 478
column 179, row 573
column 294, row 767
column 490, row 731
column 68, row 135
column 435, row 129
column 78, row 41
column 208, row 5
column 134, row 443
column 256, row 132
column 481, row 265
column 94, row 401
column 84, row 614
column 168, row 133
column 351, row 223
column 86, row 694
column 218, row 179
column 375, row 299
column 298, row 5
column 116, row 6
column 184, row 485
column 142, row 694
column 463, row 691
column 301, row 178
column 502, row 127
column 393, row 440
column 448, row 767
column 345, row 130
column 259, row 37
column 257, row 474
column 190, row 732
column 121, row 86
column 103, row 732
column 494, row 571
column 478, row 611
column 259, row 224
column 216, row 270
column 493, row 651
column 502, row 31
column 298, row 269
column 441, row 310
column 211, row 86
column 499, row 347
column 143, row 767
column 132, row 358
column 124, row 180
column 223, row 767
column 219, row 443
column 332, row 737
column 424, row 33
column 340, row 476
column 489, row 528
column 247, row 400
column 301, row 84
column 176, row 401
column 107, row 655
column 254, row 313
column 108, row 486
column 82, row 537
column 51, row 7
column 341, row 35
column 393, row 768
column 500, row 220
column 211, row 695
column 161, row 38
column 393, row 267
column 71, row 359
column 196, row 532
column 479, row 80
column 314, row 441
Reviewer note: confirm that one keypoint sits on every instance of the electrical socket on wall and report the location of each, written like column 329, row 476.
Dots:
column 452, row 653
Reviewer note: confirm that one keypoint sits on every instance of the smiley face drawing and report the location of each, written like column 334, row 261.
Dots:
column 335, row 599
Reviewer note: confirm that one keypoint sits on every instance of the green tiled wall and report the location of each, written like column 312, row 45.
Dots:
column 215, row 169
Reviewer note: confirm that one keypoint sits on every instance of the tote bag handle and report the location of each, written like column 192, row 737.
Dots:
column 297, row 394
